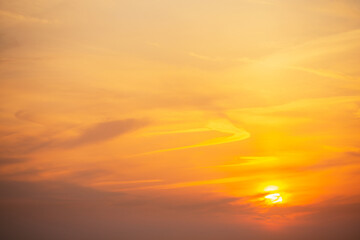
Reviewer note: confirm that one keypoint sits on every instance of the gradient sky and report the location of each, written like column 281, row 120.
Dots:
column 168, row 119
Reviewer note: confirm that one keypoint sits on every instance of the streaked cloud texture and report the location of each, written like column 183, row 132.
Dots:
column 154, row 119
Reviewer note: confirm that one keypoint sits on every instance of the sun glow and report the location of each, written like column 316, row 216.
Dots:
column 274, row 198
column 271, row 188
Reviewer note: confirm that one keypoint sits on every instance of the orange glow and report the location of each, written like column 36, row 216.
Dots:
column 180, row 119
column 271, row 188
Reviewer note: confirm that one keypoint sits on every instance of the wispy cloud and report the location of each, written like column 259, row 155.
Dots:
column 202, row 57
column 104, row 131
column 265, row 2
column 188, row 184
column 224, row 126
column 115, row 183
column 22, row 18
column 246, row 161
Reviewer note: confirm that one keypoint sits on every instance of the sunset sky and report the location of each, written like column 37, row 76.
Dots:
column 179, row 119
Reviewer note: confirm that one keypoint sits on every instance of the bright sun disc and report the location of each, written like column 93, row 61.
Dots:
column 274, row 198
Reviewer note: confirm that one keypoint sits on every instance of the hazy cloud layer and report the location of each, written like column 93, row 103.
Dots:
column 169, row 119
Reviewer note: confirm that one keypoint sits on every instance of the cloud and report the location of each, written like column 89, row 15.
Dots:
column 222, row 125
column 51, row 210
column 188, row 184
column 333, row 219
column 10, row 16
column 299, row 109
column 48, row 139
column 246, row 161
column 347, row 9
column 349, row 158
column 265, row 2
column 13, row 160
column 202, row 57
column 50, row 192
column 27, row 116
column 58, row 210
column 104, row 131
column 317, row 48
column 318, row 72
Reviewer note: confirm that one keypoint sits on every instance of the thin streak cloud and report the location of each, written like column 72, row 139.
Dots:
column 223, row 126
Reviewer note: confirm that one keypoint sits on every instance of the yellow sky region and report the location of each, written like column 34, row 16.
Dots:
column 194, row 106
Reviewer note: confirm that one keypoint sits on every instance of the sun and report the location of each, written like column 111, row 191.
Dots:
column 273, row 197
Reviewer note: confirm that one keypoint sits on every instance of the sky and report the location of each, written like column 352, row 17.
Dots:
column 155, row 119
